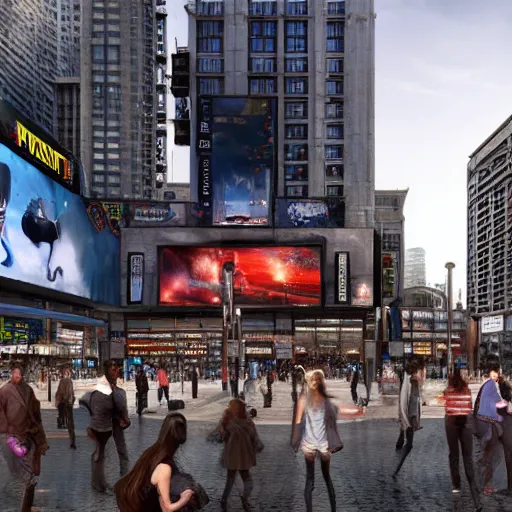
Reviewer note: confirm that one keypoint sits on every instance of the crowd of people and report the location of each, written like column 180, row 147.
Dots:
column 157, row 483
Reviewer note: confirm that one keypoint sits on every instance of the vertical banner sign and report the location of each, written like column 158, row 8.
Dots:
column 136, row 277
column 342, row 278
column 204, row 152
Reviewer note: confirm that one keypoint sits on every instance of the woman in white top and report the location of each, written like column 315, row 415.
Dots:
column 315, row 431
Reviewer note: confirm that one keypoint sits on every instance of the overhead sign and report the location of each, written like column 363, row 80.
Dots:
column 342, row 278
column 136, row 279
column 259, row 350
column 492, row 324
column 284, row 350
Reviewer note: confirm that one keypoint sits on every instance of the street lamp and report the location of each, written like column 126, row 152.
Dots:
column 449, row 266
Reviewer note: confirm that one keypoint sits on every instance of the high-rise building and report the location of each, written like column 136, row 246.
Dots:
column 316, row 61
column 415, row 267
column 123, row 46
column 67, row 120
column 38, row 43
column 389, row 224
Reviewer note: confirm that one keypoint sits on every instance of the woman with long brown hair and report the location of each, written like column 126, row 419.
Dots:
column 241, row 442
column 147, row 487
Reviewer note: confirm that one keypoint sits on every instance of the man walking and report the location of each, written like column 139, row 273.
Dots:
column 65, row 398
column 25, row 440
column 353, row 386
column 141, row 383
column 163, row 385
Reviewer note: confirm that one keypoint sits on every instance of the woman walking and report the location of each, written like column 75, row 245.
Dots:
column 315, row 432
column 155, row 483
column 241, row 442
column 458, row 406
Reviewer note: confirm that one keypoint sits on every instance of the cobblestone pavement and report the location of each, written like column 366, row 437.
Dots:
column 361, row 472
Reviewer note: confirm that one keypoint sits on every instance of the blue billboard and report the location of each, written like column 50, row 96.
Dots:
column 242, row 160
column 47, row 238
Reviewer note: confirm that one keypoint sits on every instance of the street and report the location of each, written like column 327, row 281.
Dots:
column 361, row 472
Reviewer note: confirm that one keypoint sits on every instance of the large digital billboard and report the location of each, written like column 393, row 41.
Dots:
column 262, row 276
column 237, row 159
column 47, row 238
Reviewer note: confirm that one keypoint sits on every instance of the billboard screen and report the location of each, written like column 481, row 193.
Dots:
column 262, row 276
column 47, row 238
column 237, row 159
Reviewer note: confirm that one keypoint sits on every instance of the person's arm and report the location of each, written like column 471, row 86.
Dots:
column 3, row 416
column 350, row 411
column 161, row 479
column 301, row 407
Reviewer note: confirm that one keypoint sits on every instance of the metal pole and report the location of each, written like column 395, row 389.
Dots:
column 449, row 266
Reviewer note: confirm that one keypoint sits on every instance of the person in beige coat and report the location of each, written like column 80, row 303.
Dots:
column 64, row 400
column 241, row 443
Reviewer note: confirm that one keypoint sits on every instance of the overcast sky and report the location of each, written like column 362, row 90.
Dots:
column 443, row 75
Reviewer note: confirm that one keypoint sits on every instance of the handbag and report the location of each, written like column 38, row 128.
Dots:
column 183, row 481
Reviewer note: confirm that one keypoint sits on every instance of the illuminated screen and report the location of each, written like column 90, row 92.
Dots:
column 242, row 160
column 47, row 239
column 262, row 276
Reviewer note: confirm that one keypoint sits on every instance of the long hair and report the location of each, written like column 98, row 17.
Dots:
column 321, row 385
column 130, row 489
column 235, row 410
column 456, row 381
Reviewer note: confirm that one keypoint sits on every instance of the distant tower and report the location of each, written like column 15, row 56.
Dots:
column 415, row 267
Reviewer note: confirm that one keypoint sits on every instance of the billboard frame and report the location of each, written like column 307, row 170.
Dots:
column 238, row 245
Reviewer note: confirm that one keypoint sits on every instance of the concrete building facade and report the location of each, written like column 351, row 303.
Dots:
column 122, row 112
column 67, row 113
column 415, row 267
column 38, row 43
column 317, row 60
column 390, row 226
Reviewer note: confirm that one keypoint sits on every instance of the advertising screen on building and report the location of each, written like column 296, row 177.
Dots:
column 262, row 276
column 236, row 166
column 47, row 238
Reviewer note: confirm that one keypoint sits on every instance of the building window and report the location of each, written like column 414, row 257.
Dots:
column 262, row 86
column 296, row 172
column 296, row 152
column 335, row 131
column 296, row 110
column 336, row 8
column 113, row 55
column 334, row 88
column 98, row 178
column 296, row 37
column 98, row 53
column 262, row 65
column 296, row 65
column 263, row 36
column 334, row 171
column 211, row 85
column 296, row 85
column 335, row 36
column 209, row 36
column 334, row 110
column 296, row 8
column 114, row 179
column 210, row 65
column 334, row 152
column 297, row 191
column 296, row 131
column 210, row 8
column 259, row 8
column 336, row 191
column 335, row 66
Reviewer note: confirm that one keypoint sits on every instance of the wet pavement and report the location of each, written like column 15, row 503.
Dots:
column 361, row 472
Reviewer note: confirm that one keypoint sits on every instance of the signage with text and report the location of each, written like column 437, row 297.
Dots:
column 342, row 278
column 136, row 278
column 492, row 324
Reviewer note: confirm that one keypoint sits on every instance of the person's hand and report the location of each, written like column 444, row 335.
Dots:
column 186, row 495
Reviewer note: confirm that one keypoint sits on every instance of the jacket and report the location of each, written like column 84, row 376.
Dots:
column 457, row 403
column 241, row 441
column 489, row 397
column 409, row 404
column 141, row 383
column 334, row 442
column 65, row 392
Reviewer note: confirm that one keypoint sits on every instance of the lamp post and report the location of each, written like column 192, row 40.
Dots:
column 449, row 266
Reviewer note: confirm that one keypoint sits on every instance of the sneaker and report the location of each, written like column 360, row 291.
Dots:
column 456, row 490
column 490, row 490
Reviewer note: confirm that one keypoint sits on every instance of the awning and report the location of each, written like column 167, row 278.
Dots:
column 26, row 312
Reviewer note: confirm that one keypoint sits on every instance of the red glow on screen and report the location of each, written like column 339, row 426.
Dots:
column 274, row 276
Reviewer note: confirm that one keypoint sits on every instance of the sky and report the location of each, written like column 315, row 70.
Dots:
column 442, row 87
column 443, row 78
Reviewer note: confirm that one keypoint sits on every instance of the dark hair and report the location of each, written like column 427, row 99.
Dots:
column 456, row 381
column 412, row 368
column 107, row 365
column 130, row 489
column 493, row 367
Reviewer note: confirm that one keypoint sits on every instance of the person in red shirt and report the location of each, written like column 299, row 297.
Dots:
column 458, row 407
column 163, row 384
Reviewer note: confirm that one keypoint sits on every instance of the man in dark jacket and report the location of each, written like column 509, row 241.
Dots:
column 141, row 383
column 353, row 386
column 65, row 398
column 20, row 418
